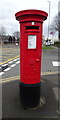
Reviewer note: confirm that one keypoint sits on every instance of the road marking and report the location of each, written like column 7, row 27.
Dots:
column 50, row 73
column 5, row 80
column 56, row 63
column 4, row 65
column 8, row 54
column 18, row 58
column 1, row 73
column 15, row 59
column 43, row 73
column 7, row 69
column 3, row 56
column 55, row 89
column 9, row 60
column 12, row 79
column 13, row 65
column 1, row 59
column 17, row 62
column 9, row 79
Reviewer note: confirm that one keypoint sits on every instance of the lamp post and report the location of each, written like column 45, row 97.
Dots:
column 49, row 18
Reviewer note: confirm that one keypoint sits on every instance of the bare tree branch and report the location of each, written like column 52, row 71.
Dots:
column 16, row 34
column 2, row 31
column 55, row 25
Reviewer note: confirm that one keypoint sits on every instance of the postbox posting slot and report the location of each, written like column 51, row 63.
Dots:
column 32, row 41
column 32, row 27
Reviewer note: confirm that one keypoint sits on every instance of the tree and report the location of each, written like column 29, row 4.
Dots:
column 2, row 34
column 55, row 26
column 16, row 34
column 2, row 31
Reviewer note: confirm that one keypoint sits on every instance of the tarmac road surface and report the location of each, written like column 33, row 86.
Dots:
column 50, row 87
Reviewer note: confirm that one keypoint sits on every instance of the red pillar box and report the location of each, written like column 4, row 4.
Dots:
column 30, row 55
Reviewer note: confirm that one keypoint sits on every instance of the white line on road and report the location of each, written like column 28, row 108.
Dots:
column 56, row 63
column 7, row 69
column 15, row 59
column 4, row 65
column 17, row 62
column 10, row 62
column 18, row 58
column 1, row 73
column 13, row 65
column 18, row 77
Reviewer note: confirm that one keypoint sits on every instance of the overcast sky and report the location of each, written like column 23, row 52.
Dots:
column 8, row 8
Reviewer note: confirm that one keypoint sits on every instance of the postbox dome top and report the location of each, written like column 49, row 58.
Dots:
column 30, row 14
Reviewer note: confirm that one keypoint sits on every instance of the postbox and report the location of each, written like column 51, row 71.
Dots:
column 31, row 22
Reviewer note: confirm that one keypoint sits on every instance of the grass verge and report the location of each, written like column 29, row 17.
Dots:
column 47, row 48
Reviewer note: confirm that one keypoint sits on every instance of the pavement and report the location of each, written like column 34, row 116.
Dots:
column 12, row 108
column 50, row 86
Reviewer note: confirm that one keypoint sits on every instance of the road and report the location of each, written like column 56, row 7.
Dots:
column 11, row 107
column 12, row 56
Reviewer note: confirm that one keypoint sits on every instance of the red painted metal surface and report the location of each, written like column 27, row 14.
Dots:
column 30, row 54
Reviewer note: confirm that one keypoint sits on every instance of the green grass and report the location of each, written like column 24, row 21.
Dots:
column 47, row 48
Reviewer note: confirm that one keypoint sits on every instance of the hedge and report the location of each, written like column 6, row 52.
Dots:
column 57, row 43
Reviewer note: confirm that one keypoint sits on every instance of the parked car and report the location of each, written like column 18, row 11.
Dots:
column 6, row 41
column 17, row 42
column 48, row 43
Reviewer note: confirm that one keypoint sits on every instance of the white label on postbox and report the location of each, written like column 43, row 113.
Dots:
column 31, row 41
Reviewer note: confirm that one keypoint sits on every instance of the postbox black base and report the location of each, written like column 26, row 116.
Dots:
column 29, row 95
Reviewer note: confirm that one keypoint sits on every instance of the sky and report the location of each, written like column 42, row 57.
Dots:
column 8, row 8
